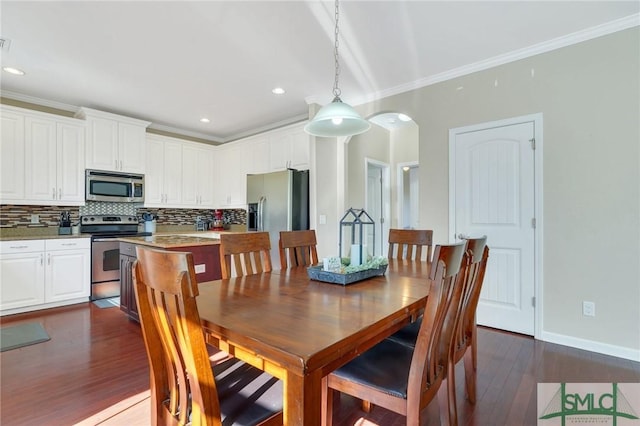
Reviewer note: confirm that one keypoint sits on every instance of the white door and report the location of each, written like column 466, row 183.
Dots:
column 494, row 195
column 378, row 207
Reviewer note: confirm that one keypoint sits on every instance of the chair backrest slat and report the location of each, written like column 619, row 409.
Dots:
column 297, row 248
column 248, row 253
column 409, row 243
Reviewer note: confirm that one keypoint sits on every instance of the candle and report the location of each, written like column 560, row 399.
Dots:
column 355, row 254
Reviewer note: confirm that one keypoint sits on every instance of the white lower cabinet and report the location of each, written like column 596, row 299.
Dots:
column 38, row 274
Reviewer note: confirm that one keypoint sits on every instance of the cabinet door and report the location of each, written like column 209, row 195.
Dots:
column 172, row 173
column 102, row 144
column 70, row 164
column 131, row 148
column 68, row 275
column 260, row 153
column 280, row 145
column 299, row 150
column 190, row 175
column 205, row 184
column 233, row 177
column 12, row 167
column 21, row 280
column 154, row 176
column 40, row 159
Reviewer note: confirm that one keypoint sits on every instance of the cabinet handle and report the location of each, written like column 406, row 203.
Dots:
column 49, row 259
column 41, row 259
column 59, row 193
column 69, row 244
column 53, row 196
column 116, row 166
column 18, row 247
column 120, row 164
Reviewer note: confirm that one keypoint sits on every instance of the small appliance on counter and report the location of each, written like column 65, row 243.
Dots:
column 149, row 220
column 218, row 222
column 65, row 223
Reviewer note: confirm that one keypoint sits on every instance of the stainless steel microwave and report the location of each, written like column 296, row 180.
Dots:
column 114, row 187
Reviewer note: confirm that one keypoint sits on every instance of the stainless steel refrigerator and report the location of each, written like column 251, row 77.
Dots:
column 278, row 201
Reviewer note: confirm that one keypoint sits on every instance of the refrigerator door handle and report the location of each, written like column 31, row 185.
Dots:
column 261, row 213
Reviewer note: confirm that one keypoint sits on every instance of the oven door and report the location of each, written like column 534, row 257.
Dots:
column 105, row 268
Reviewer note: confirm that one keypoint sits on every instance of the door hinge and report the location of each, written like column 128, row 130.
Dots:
column 533, row 223
column 533, row 302
column 533, row 143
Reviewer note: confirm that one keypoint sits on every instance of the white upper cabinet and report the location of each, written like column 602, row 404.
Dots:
column 163, row 179
column 259, row 151
column 12, row 155
column 231, row 179
column 197, row 175
column 50, row 159
column 289, row 149
column 114, row 142
column 54, row 154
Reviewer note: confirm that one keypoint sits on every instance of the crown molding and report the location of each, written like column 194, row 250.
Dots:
column 536, row 49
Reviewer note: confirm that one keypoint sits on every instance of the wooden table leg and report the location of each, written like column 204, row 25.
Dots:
column 302, row 403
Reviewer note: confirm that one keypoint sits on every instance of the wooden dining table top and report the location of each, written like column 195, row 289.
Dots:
column 300, row 330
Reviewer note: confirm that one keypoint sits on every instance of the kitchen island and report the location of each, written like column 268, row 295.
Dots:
column 204, row 246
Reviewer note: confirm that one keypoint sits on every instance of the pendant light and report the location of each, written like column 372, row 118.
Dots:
column 337, row 118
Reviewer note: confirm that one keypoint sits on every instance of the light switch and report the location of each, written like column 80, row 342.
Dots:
column 323, row 219
column 200, row 269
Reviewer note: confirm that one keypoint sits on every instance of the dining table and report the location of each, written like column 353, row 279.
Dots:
column 300, row 330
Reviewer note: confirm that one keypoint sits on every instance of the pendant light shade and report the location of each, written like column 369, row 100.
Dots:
column 337, row 118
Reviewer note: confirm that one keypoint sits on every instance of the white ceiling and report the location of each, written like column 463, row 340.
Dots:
column 174, row 62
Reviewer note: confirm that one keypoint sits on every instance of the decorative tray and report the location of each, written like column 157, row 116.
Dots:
column 318, row 274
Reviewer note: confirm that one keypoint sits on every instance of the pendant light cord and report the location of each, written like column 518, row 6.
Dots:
column 336, row 89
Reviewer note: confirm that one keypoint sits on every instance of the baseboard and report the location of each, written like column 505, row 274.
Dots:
column 593, row 346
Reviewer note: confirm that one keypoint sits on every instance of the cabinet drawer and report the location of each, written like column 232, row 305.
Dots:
column 68, row 244
column 21, row 246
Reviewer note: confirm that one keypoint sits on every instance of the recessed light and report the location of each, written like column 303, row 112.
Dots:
column 278, row 91
column 14, row 71
column 205, row 120
column 406, row 168
column 404, row 117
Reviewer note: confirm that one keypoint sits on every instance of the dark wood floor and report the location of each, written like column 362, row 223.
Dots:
column 96, row 359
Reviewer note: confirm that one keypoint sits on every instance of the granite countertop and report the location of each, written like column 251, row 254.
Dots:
column 172, row 240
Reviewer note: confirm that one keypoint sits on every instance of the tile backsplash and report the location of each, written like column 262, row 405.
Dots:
column 14, row 216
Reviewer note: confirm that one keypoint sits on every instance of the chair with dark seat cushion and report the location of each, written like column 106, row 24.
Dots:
column 409, row 243
column 185, row 389
column 402, row 378
column 465, row 337
column 247, row 253
column 297, row 248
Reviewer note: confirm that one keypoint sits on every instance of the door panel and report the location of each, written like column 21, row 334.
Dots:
column 494, row 196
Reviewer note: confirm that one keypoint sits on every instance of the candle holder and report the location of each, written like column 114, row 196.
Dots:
column 357, row 219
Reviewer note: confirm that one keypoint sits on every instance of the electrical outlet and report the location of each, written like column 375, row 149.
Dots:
column 35, row 218
column 588, row 309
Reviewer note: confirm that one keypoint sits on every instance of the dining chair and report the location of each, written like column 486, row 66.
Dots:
column 402, row 378
column 297, row 248
column 409, row 244
column 465, row 338
column 185, row 389
column 248, row 252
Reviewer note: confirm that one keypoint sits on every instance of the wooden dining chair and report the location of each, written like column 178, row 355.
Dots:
column 402, row 378
column 465, row 337
column 185, row 389
column 248, row 252
column 297, row 248
column 409, row 244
